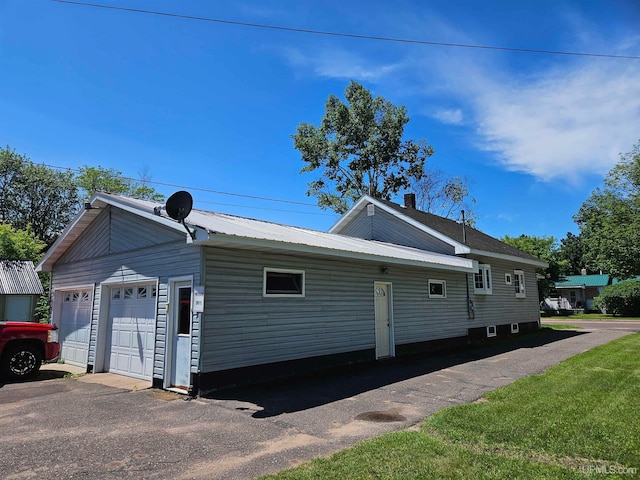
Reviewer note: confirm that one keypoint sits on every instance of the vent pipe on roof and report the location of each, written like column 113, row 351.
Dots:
column 410, row 200
column 464, row 228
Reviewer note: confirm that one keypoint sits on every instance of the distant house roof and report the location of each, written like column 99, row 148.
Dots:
column 19, row 278
column 449, row 231
column 212, row 228
column 573, row 281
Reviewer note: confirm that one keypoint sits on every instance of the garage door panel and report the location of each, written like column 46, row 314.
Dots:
column 132, row 324
column 75, row 326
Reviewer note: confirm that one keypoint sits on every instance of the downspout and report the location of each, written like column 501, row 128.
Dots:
column 471, row 312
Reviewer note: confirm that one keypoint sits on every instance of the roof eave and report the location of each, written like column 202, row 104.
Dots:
column 512, row 258
column 217, row 239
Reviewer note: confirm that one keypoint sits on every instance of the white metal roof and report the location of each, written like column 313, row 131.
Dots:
column 19, row 278
column 227, row 230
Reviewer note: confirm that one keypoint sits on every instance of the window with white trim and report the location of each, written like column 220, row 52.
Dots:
column 437, row 289
column 518, row 277
column 280, row 282
column 508, row 279
column 482, row 283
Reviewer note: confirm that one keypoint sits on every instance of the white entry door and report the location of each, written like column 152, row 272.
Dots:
column 75, row 326
column 131, row 331
column 383, row 306
column 181, row 293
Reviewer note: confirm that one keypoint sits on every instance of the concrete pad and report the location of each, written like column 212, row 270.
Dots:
column 116, row 381
column 63, row 368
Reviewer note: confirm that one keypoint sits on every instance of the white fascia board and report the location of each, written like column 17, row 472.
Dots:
column 460, row 248
column 467, row 266
column 511, row 258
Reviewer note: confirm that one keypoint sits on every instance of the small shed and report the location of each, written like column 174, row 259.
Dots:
column 20, row 289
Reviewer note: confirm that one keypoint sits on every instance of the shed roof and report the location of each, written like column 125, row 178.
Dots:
column 572, row 281
column 19, row 278
column 212, row 228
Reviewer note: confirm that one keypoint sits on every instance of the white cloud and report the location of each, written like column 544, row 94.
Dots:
column 564, row 124
column 448, row 116
column 338, row 63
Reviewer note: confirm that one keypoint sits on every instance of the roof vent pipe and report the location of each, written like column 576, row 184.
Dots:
column 464, row 228
column 410, row 200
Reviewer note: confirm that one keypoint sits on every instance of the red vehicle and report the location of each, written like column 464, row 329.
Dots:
column 24, row 345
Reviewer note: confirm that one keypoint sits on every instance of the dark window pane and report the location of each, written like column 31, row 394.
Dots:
column 184, row 310
column 284, row 283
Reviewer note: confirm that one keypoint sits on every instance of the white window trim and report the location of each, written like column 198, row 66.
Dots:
column 444, row 288
column 485, row 271
column 522, row 290
column 492, row 331
column 508, row 279
column 283, row 295
column 515, row 328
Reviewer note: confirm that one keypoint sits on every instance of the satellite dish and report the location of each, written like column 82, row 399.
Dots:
column 179, row 205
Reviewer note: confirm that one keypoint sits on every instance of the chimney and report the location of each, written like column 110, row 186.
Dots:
column 410, row 200
column 583, row 271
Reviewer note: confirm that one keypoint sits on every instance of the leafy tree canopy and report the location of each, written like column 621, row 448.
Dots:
column 444, row 196
column 358, row 149
column 94, row 179
column 19, row 244
column 571, row 252
column 609, row 220
column 35, row 196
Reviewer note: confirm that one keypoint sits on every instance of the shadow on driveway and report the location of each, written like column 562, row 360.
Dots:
column 302, row 393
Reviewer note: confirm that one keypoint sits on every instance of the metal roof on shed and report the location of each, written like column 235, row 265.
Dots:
column 19, row 278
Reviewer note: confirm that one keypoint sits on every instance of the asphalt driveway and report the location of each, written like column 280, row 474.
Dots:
column 64, row 428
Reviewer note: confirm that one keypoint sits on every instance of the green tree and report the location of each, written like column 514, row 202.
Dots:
column 94, row 179
column 609, row 220
column 358, row 149
column 546, row 249
column 19, row 244
column 35, row 196
column 571, row 253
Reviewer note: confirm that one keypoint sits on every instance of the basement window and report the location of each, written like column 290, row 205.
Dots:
column 515, row 328
column 437, row 289
column 491, row 331
column 283, row 283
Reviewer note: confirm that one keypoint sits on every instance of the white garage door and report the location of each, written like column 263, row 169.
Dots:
column 75, row 326
column 132, row 328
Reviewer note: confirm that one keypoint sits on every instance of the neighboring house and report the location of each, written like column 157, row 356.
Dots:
column 237, row 299
column 576, row 292
column 20, row 289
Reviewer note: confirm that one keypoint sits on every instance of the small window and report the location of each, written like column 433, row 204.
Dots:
column 508, row 279
column 184, row 311
column 491, row 331
column 67, row 297
column 283, row 283
column 128, row 293
column 482, row 283
column 518, row 276
column 85, row 296
column 437, row 289
column 75, row 297
column 116, row 294
column 515, row 328
column 142, row 292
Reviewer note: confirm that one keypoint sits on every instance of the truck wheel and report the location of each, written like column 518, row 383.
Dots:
column 22, row 361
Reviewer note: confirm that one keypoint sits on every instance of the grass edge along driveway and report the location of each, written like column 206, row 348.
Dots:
column 576, row 420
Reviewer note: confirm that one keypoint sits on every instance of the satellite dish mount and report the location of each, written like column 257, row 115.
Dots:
column 178, row 207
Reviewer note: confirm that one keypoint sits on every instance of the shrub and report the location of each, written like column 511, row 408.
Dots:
column 621, row 299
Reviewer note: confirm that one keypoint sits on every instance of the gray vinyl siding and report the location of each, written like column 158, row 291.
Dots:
column 142, row 258
column 114, row 231
column 502, row 306
column 241, row 328
column 384, row 227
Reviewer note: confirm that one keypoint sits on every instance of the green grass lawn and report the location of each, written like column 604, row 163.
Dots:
column 558, row 326
column 578, row 420
column 590, row 316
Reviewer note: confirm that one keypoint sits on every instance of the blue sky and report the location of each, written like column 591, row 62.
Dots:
column 213, row 106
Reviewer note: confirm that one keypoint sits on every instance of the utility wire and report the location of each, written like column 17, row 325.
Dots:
column 186, row 187
column 350, row 35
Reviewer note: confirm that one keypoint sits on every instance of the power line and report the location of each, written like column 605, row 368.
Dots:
column 349, row 35
column 186, row 187
column 268, row 209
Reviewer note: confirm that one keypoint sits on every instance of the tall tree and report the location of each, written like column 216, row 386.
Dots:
column 359, row 149
column 444, row 196
column 609, row 220
column 94, row 179
column 19, row 244
column 571, row 252
column 35, row 195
